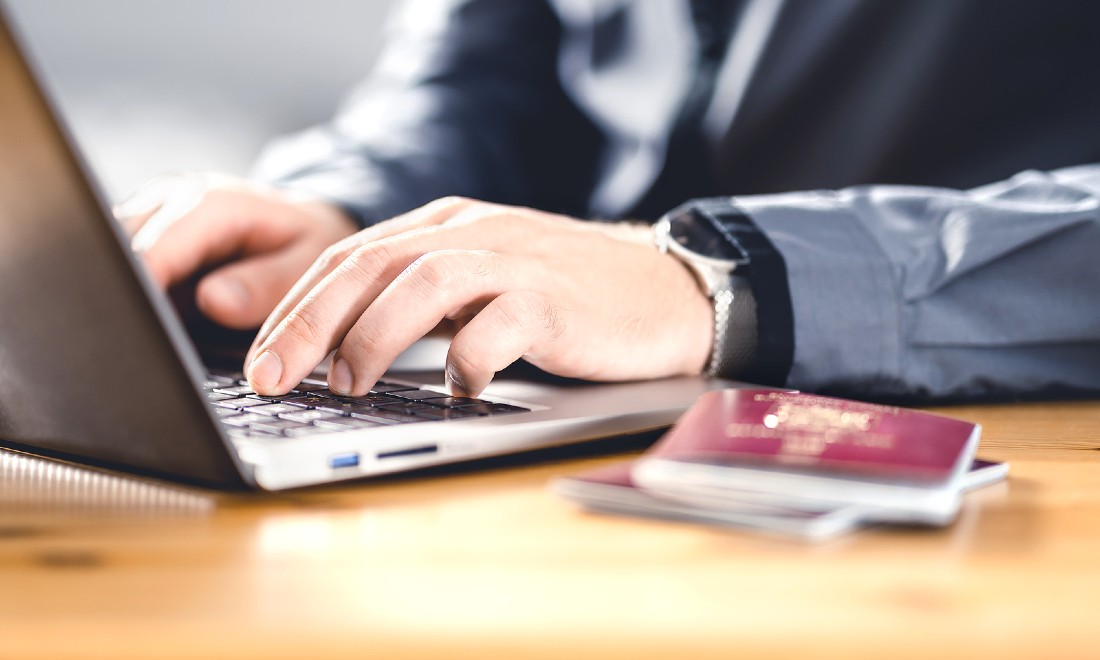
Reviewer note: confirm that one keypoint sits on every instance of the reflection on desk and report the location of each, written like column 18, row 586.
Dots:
column 483, row 561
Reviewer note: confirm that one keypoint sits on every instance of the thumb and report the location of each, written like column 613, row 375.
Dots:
column 242, row 294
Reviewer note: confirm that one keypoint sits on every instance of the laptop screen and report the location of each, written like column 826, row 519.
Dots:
column 92, row 361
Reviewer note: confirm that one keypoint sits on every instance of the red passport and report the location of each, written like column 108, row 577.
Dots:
column 611, row 489
column 812, row 452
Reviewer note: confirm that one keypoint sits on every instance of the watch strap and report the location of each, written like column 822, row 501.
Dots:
column 735, row 331
column 768, row 279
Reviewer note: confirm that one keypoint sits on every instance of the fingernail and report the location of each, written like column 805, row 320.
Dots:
column 266, row 371
column 453, row 381
column 340, row 378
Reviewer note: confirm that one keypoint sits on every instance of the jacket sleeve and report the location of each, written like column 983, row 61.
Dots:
column 464, row 100
column 928, row 293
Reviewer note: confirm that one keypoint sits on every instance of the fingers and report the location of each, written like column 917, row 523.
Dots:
column 182, row 237
column 572, row 298
column 181, row 223
column 259, row 239
column 515, row 324
column 241, row 294
column 405, row 276
column 439, row 285
column 429, row 215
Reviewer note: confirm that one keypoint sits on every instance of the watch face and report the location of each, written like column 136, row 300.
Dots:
column 698, row 234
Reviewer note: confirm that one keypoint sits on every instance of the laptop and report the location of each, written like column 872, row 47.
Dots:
column 96, row 366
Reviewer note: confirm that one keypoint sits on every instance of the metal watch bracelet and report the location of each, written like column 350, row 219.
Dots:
column 734, row 329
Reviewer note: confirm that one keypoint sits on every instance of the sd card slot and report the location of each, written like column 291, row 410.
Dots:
column 412, row 451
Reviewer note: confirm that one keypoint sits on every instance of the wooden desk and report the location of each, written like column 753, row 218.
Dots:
column 486, row 563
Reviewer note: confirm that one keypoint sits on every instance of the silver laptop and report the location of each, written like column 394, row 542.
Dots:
column 96, row 366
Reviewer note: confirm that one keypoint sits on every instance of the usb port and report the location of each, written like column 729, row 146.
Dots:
column 350, row 459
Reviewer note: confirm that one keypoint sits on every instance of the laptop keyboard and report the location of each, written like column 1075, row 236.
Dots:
column 311, row 408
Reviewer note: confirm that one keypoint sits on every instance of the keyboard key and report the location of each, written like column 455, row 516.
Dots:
column 246, row 434
column 448, row 413
column 494, row 409
column 214, row 396
column 275, row 409
column 236, row 390
column 243, row 420
column 345, row 424
column 419, row 395
column 368, row 400
column 382, row 387
column 381, row 416
column 241, row 404
column 344, row 408
column 275, row 425
column 408, row 407
column 254, row 401
column 307, row 416
column 269, row 399
column 213, row 380
column 456, row 401
column 304, row 400
column 306, row 388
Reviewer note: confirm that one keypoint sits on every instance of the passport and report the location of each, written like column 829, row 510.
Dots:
column 812, row 453
column 611, row 489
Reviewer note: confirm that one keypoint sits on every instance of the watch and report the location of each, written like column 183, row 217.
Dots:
column 721, row 267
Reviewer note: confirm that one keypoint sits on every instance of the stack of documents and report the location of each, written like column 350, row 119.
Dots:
column 797, row 464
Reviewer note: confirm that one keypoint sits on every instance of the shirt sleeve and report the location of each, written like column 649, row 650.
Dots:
column 928, row 293
column 464, row 100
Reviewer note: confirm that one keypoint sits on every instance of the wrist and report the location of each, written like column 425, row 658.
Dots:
column 689, row 236
column 695, row 342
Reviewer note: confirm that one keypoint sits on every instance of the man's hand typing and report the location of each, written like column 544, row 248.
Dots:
column 578, row 299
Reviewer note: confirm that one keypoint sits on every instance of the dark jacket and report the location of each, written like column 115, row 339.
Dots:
column 619, row 108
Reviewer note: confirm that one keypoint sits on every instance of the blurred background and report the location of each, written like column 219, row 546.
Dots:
column 155, row 86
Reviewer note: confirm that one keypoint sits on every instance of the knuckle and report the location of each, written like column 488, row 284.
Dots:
column 332, row 257
column 369, row 263
column 305, row 325
column 491, row 219
column 435, row 272
column 451, row 201
column 495, row 220
column 521, row 309
column 451, row 205
column 486, row 264
column 361, row 343
column 484, row 216
column 346, row 246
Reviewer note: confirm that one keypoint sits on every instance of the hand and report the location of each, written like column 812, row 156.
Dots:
column 257, row 240
column 578, row 299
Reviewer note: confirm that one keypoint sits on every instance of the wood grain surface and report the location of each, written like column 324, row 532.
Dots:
column 482, row 561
